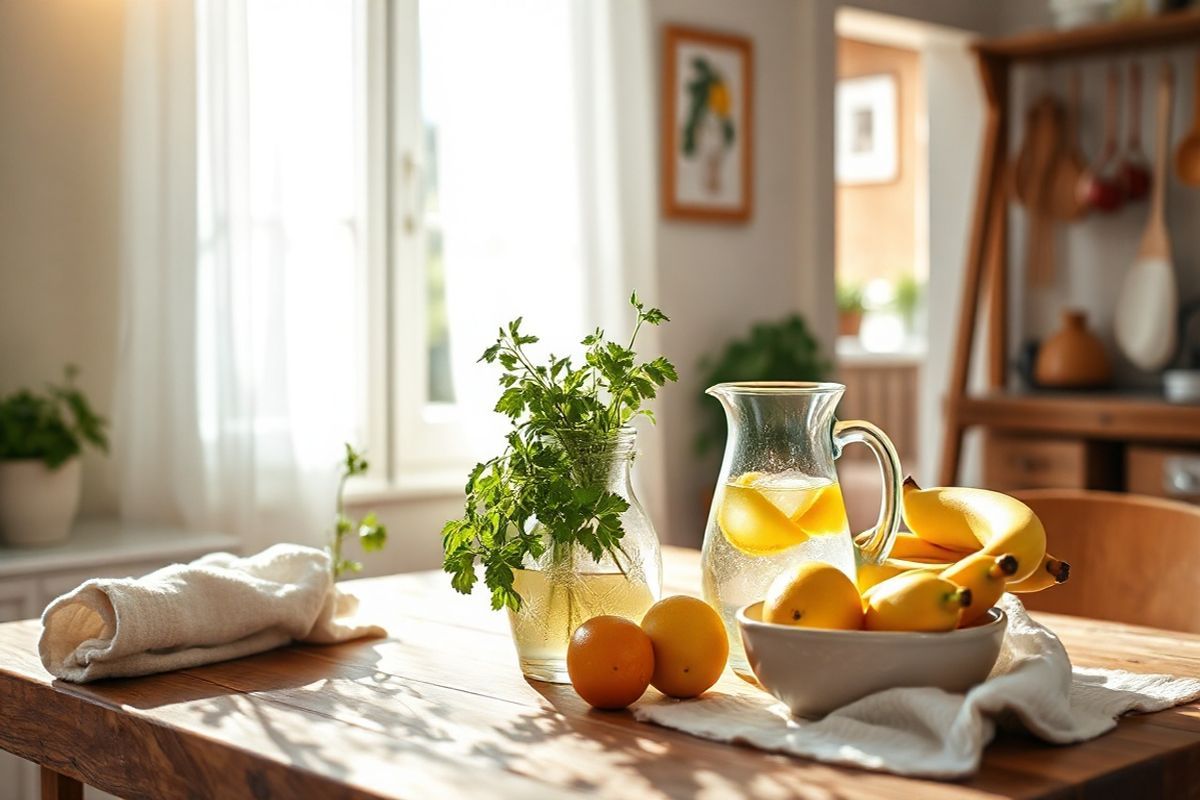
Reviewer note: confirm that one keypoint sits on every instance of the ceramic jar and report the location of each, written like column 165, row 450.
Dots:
column 1073, row 358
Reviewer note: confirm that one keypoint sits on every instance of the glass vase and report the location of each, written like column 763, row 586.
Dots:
column 566, row 586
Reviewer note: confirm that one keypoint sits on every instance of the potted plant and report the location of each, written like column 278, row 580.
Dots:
column 850, row 309
column 907, row 299
column 553, row 520
column 41, row 437
column 773, row 351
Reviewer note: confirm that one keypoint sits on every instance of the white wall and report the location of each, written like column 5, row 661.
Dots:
column 60, row 77
column 715, row 279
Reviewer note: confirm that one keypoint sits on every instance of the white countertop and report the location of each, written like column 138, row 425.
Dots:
column 99, row 542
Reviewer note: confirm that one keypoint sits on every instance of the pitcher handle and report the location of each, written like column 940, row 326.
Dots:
column 876, row 547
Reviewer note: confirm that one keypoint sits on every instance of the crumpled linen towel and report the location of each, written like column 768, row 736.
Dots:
column 216, row 608
column 930, row 733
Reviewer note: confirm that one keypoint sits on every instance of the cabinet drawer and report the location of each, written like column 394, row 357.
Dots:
column 1163, row 472
column 1025, row 462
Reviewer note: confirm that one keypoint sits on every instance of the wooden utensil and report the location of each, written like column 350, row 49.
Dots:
column 1021, row 173
column 1101, row 188
column 1148, row 304
column 1044, row 137
column 1070, row 165
column 1187, row 156
column 1134, row 171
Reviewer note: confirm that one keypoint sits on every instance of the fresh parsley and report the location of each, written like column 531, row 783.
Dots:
column 565, row 419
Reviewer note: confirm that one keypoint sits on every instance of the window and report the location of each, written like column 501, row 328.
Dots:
column 486, row 211
column 438, row 151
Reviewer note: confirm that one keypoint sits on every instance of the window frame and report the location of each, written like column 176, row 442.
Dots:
column 421, row 447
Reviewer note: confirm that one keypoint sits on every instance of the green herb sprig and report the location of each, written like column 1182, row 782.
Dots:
column 372, row 534
column 565, row 418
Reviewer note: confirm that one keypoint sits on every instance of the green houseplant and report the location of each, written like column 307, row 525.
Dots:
column 553, row 520
column 850, row 308
column 41, row 437
column 772, row 351
column 909, row 294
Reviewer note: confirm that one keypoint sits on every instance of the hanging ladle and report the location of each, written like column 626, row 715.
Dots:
column 1135, row 167
column 1100, row 187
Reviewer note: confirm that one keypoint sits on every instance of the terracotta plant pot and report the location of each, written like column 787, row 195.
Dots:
column 849, row 322
column 1073, row 358
column 37, row 504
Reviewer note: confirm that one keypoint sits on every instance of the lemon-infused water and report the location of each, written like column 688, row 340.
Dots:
column 556, row 602
column 760, row 524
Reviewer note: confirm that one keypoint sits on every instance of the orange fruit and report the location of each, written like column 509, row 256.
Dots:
column 610, row 661
column 690, row 645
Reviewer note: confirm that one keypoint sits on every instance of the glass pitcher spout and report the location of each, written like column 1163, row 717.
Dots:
column 777, row 426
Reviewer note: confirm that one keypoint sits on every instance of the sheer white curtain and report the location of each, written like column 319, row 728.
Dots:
column 547, row 175
column 241, row 373
column 244, row 349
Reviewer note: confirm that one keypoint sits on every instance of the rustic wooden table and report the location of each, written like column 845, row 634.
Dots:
column 439, row 710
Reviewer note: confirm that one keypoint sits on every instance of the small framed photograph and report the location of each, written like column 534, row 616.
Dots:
column 866, row 130
column 708, row 153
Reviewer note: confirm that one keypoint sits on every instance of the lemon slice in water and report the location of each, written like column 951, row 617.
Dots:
column 755, row 525
column 825, row 515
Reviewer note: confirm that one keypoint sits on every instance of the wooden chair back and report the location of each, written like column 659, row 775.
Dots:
column 1134, row 559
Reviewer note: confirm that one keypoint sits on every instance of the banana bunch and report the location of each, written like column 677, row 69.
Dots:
column 967, row 547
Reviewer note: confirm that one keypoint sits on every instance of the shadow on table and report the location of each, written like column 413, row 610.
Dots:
column 666, row 761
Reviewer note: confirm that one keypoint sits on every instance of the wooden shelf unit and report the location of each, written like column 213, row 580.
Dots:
column 1181, row 27
column 1108, row 416
column 1094, row 416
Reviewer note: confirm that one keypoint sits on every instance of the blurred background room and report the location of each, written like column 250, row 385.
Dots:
column 251, row 232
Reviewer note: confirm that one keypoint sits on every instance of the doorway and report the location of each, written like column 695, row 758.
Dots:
column 908, row 113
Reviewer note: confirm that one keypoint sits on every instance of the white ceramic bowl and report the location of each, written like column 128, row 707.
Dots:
column 816, row 671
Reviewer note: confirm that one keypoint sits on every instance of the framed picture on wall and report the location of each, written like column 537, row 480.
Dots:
column 708, row 146
column 865, row 130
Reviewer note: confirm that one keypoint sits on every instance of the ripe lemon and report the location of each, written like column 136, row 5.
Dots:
column 826, row 515
column 610, row 661
column 690, row 645
column 755, row 525
column 814, row 595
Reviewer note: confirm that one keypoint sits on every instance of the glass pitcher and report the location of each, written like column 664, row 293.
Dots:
column 778, row 502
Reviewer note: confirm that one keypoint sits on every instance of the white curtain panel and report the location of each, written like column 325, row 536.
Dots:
column 243, row 348
column 547, row 173
column 239, row 374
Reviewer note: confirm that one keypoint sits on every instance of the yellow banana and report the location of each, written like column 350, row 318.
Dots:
column 961, row 518
column 985, row 575
column 909, row 545
column 915, row 601
column 1050, row 572
column 872, row 574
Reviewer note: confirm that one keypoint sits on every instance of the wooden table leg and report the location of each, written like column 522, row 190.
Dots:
column 60, row 787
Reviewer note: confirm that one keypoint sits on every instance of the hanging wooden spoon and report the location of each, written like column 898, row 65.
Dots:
column 1145, row 319
column 1187, row 156
column 1064, row 202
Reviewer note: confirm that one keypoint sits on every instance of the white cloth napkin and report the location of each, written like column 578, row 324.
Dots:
column 216, row 608
column 931, row 733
